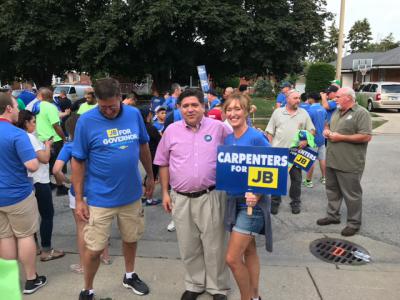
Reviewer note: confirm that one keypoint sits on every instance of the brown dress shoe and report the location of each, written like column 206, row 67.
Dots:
column 349, row 231
column 327, row 221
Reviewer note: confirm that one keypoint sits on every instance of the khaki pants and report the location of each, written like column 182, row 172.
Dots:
column 347, row 186
column 202, row 241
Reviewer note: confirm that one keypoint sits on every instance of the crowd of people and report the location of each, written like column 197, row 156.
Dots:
column 175, row 138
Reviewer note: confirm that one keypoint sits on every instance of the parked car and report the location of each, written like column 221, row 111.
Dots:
column 382, row 95
column 74, row 91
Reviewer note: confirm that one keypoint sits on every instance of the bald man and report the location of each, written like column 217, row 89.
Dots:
column 348, row 134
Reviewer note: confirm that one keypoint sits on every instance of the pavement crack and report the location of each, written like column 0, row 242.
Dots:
column 314, row 283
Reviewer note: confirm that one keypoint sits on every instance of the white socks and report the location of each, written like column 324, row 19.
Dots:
column 129, row 274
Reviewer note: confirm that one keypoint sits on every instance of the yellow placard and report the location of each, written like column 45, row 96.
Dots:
column 263, row 177
column 302, row 160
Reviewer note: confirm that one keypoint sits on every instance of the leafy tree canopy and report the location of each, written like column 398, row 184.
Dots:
column 165, row 38
column 359, row 36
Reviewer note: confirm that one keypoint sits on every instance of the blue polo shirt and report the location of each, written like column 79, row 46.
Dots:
column 170, row 103
column 281, row 98
column 332, row 107
column 111, row 149
column 318, row 116
column 16, row 149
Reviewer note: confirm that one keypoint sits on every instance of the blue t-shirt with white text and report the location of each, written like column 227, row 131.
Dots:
column 111, row 149
column 16, row 149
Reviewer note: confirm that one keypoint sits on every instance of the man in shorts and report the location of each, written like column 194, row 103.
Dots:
column 108, row 143
column 319, row 117
column 19, row 213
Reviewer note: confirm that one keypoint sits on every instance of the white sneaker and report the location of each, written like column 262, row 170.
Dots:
column 171, row 226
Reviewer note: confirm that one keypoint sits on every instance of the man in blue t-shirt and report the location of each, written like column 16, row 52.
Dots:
column 18, row 206
column 109, row 140
column 281, row 98
column 170, row 102
column 318, row 116
column 328, row 100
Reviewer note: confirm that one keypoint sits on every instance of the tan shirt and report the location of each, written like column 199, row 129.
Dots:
column 283, row 126
column 345, row 156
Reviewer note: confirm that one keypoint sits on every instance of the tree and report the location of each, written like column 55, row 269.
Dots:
column 165, row 38
column 359, row 36
column 318, row 77
column 385, row 44
column 42, row 37
column 325, row 50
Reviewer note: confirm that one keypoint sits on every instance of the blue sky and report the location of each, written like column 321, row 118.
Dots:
column 383, row 15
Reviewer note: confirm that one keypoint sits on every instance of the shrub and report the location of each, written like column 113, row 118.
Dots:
column 319, row 76
column 263, row 88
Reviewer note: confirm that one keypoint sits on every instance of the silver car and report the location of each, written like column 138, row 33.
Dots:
column 382, row 95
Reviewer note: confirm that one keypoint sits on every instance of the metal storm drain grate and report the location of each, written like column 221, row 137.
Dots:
column 339, row 252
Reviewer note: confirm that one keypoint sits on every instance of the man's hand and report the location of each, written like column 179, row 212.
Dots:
column 149, row 187
column 166, row 202
column 326, row 133
column 334, row 137
column 82, row 210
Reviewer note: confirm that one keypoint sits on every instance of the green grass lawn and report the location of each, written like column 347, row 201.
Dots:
column 264, row 111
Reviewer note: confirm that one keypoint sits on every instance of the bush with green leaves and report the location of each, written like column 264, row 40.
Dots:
column 263, row 88
column 319, row 76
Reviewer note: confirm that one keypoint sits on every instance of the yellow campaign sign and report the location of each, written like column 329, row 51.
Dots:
column 263, row 177
column 302, row 160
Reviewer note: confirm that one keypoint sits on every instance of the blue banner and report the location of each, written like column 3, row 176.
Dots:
column 302, row 158
column 261, row 170
column 201, row 70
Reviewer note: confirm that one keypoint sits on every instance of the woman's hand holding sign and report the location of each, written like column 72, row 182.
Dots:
column 251, row 201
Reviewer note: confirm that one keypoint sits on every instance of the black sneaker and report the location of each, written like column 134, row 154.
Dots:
column 62, row 190
column 137, row 286
column 84, row 295
column 32, row 286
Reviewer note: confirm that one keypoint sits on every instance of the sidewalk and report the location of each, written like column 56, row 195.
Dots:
column 290, row 272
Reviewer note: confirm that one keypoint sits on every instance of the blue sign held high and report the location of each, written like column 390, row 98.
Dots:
column 201, row 70
column 242, row 169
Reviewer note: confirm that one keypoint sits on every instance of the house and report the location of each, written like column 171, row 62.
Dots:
column 385, row 67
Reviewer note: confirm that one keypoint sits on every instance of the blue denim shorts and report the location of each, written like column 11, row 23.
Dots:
column 251, row 225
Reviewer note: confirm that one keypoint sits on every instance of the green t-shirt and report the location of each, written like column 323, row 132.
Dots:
column 45, row 119
column 85, row 107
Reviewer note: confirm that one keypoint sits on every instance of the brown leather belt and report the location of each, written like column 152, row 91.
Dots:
column 197, row 194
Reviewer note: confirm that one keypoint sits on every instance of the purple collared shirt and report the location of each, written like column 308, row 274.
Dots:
column 191, row 155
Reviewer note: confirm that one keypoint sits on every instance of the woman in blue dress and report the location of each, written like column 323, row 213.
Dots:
column 242, row 255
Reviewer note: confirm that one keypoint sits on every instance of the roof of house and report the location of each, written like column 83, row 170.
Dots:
column 388, row 58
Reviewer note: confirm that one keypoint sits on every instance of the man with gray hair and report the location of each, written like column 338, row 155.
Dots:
column 282, row 128
column 348, row 135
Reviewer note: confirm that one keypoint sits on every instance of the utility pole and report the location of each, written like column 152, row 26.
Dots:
column 340, row 41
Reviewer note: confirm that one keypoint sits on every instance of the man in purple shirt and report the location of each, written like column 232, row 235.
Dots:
column 187, row 156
